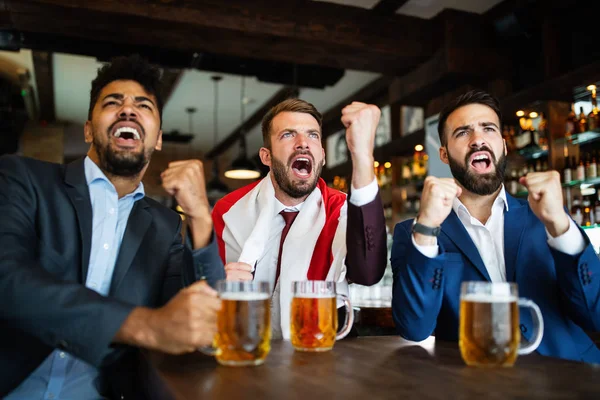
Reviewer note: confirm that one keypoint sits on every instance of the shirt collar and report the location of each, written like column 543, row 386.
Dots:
column 500, row 201
column 279, row 206
column 94, row 174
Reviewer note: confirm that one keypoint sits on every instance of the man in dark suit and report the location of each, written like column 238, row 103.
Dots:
column 470, row 229
column 91, row 268
column 330, row 237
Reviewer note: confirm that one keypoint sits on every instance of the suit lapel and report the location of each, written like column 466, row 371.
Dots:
column 515, row 220
column 456, row 232
column 137, row 225
column 79, row 194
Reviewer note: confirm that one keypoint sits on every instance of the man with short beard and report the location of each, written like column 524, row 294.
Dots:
column 470, row 229
column 90, row 268
column 329, row 238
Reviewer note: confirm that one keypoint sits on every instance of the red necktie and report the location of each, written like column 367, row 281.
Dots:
column 288, row 217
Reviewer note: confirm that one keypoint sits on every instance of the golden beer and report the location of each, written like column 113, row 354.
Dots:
column 314, row 322
column 244, row 328
column 489, row 329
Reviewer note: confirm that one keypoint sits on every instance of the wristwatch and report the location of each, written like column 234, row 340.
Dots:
column 425, row 230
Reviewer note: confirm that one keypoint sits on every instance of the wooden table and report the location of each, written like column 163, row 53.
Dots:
column 376, row 368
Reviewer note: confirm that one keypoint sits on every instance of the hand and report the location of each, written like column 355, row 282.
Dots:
column 238, row 271
column 188, row 321
column 361, row 122
column 436, row 204
column 185, row 181
column 546, row 200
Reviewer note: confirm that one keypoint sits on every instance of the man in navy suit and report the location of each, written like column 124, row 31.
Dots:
column 90, row 268
column 470, row 229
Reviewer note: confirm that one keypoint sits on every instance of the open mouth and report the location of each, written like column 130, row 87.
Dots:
column 481, row 162
column 127, row 136
column 302, row 166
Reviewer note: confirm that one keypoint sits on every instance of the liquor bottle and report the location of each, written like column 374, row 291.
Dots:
column 538, row 165
column 592, row 168
column 580, row 170
column 570, row 128
column 543, row 132
column 576, row 211
column 582, row 125
column 567, row 172
column 593, row 116
column 597, row 209
column 573, row 168
column 586, row 213
column 545, row 165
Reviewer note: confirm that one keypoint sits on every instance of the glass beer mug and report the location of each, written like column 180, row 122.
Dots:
column 489, row 333
column 314, row 318
column 243, row 323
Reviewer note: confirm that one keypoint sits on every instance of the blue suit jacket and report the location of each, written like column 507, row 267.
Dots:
column 567, row 288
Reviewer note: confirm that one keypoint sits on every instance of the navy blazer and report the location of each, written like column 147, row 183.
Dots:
column 566, row 288
column 45, row 239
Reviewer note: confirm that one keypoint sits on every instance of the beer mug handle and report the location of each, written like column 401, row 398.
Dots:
column 349, row 321
column 538, row 321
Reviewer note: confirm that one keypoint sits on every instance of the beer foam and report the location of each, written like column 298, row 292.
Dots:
column 244, row 296
column 315, row 295
column 488, row 298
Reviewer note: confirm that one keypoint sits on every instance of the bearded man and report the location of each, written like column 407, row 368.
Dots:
column 470, row 229
column 329, row 238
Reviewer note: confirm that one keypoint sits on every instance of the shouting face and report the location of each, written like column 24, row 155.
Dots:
column 475, row 150
column 124, row 129
column 296, row 156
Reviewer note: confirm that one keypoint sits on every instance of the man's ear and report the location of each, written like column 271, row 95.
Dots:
column 265, row 156
column 444, row 154
column 88, row 134
column 159, row 141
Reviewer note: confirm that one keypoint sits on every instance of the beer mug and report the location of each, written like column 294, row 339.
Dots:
column 489, row 324
column 243, row 323
column 314, row 318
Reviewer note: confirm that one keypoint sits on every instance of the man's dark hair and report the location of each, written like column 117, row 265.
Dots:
column 131, row 68
column 289, row 105
column 471, row 97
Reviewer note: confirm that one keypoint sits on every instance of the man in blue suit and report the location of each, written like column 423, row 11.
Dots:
column 470, row 229
column 90, row 268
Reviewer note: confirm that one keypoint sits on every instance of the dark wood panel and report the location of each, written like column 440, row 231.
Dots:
column 377, row 368
column 170, row 80
column 315, row 33
column 42, row 65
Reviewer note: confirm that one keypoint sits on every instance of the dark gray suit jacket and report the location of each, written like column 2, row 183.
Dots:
column 45, row 239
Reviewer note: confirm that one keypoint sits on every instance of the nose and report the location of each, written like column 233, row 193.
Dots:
column 301, row 142
column 127, row 110
column 477, row 140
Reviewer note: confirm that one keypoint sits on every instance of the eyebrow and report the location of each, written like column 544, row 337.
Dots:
column 483, row 124
column 138, row 99
column 296, row 131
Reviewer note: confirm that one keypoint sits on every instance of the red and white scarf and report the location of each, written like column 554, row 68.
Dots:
column 314, row 249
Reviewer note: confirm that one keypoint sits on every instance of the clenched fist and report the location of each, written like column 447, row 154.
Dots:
column 361, row 122
column 238, row 271
column 436, row 204
column 185, row 181
column 546, row 200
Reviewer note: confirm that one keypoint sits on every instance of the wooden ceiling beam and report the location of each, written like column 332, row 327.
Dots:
column 388, row 7
column 315, row 34
column 170, row 80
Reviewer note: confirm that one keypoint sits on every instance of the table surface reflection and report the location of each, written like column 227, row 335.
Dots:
column 376, row 368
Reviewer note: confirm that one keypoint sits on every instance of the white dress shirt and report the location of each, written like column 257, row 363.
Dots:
column 489, row 237
column 266, row 266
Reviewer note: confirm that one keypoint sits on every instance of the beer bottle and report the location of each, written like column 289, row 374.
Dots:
column 582, row 121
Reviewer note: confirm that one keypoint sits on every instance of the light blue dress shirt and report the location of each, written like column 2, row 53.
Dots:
column 62, row 376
